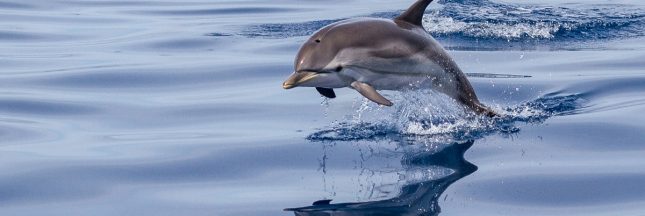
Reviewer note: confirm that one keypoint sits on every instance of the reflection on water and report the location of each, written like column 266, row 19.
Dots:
column 417, row 197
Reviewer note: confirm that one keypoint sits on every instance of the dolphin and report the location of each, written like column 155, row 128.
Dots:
column 369, row 54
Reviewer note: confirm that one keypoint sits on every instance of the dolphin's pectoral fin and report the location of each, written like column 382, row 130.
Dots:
column 370, row 93
column 327, row 92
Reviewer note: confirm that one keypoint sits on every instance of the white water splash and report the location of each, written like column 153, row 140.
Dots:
column 446, row 25
column 437, row 118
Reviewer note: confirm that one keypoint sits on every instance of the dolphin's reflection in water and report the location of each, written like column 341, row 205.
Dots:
column 418, row 198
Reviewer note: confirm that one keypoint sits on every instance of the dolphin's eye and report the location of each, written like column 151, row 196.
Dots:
column 317, row 40
column 339, row 68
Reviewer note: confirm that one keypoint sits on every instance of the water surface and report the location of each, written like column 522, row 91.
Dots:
column 176, row 108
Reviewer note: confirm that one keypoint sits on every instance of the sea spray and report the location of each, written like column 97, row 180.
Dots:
column 435, row 117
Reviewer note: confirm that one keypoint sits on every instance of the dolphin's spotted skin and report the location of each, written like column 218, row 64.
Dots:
column 370, row 54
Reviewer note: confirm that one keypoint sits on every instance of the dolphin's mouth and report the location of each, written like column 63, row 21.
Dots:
column 298, row 78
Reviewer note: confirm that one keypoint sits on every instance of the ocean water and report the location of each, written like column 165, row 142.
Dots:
column 176, row 108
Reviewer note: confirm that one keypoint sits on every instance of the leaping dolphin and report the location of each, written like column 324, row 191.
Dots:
column 369, row 54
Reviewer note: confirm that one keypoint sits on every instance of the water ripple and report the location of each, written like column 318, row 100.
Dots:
column 13, row 5
column 129, row 77
column 43, row 107
column 564, row 189
column 218, row 11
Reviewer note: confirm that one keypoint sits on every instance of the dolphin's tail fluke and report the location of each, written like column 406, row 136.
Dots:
column 487, row 111
column 483, row 110
column 472, row 103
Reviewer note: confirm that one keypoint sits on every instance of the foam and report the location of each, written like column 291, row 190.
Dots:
column 438, row 118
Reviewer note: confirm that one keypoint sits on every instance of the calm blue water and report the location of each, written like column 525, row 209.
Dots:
column 176, row 108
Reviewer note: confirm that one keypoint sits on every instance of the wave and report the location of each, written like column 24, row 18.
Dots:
column 487, row 19
column 478, row 23
column 429, row 117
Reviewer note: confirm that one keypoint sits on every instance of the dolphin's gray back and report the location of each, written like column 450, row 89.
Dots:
column 385, row 39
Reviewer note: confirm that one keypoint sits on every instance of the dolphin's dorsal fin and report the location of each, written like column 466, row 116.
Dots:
column 414, row 14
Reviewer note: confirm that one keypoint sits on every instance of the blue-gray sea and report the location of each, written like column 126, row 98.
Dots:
column 173, row 107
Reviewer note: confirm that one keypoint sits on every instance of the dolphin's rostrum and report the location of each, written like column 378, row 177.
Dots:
column 369, row 54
